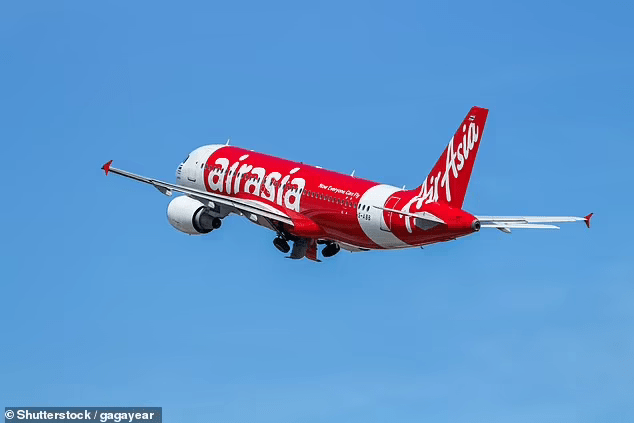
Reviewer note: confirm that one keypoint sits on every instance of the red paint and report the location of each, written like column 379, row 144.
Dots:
column 587, row 219
column 325, row 213
column 106, row 167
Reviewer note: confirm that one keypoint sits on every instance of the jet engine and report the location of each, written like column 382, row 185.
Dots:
column 191, row 216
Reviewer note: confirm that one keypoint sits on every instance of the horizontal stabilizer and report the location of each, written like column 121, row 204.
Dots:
column 518, row 226
column 529, row 219
column 506, row 223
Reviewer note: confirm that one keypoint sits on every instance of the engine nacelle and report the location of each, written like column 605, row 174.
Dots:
column 190, row 216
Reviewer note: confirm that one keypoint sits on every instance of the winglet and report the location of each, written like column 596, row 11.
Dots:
column 587, row 219
column 106, row 167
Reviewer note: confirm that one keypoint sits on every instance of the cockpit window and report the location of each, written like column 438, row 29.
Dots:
column 186, row 159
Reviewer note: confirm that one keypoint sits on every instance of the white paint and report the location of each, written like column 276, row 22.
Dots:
column 469, row 138
column 193, row 173
column 180, row 214
column 377, row 196
column 230, row 181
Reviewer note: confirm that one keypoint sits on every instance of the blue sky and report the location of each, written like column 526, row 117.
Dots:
column 103, row 303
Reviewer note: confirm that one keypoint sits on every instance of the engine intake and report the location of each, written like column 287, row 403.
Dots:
column 190, row 216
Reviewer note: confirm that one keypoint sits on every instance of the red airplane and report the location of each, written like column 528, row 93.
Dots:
column 311, row 206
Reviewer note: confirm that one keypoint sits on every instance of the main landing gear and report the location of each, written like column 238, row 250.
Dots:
column 330, row 250
column 281, row 244
column 301, row 246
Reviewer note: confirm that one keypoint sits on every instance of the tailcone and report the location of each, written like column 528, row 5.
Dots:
column 456, row 220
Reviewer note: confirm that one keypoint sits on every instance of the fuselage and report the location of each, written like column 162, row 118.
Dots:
column 323, row 204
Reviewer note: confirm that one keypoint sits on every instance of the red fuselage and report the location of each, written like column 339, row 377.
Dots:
column 324, row 204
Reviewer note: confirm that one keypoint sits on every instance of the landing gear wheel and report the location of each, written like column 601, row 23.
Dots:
column 281, row 245
column 330, row 250
column 216, row 222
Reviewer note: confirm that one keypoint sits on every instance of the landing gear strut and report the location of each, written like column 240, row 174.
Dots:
column 281, row 245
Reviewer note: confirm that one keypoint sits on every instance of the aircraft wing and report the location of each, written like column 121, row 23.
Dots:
column 506, row 223
column 245, row 206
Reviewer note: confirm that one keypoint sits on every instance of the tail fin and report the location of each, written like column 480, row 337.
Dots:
column 448, row 180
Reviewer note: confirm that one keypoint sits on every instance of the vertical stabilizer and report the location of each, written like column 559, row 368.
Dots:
column 448, row 180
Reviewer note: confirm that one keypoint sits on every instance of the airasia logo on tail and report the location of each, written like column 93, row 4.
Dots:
column 238, row 177
column 469, row 138
column 455, row 159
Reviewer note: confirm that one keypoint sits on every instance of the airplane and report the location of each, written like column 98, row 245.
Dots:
column 311, row 206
